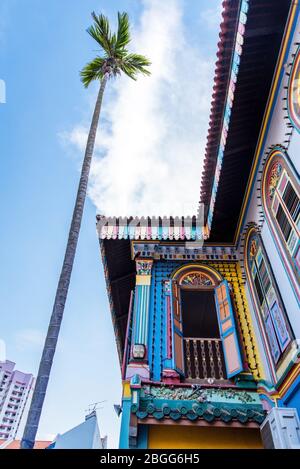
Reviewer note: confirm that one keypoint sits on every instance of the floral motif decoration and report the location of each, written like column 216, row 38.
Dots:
column 143, row 267
column 196, row 279
column 174, row 403
column 253, row 247
column 196, row 393
column 273, row 178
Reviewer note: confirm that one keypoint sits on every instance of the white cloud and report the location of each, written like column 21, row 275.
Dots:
column 211, row 17
column 150, row 145
column 29, row 338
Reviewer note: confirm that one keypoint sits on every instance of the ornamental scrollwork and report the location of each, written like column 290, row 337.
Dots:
column 143, row 267
column 196, row 279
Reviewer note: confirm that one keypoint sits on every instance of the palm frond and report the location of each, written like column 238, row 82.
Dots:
column 100, row 31
column 93, row 70
column 133, row 64
column 116, row 58
column 123, row 35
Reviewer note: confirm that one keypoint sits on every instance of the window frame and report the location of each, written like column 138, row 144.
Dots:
column 278, row 200
column 273, row 190
column 216, row 281
column 265, row 309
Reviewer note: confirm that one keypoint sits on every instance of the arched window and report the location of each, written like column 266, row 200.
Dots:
column 281, row 199
column 206, row 344
column 268, row 305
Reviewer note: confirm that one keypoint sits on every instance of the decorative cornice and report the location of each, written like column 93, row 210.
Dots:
column 159, row 251
column 193, row 404
column 196, row 392
column 152, row 228
column 143, row 266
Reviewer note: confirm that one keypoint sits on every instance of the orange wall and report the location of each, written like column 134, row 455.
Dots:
column 177, row 436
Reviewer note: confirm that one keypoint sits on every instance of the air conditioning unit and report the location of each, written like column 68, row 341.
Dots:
column 281, row 429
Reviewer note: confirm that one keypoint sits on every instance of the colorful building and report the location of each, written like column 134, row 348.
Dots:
column 206, row 315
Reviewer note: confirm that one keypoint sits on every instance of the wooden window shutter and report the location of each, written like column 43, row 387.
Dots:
column 228, row 333
column 177, row 331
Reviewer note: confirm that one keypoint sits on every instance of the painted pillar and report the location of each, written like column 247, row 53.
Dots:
column 169, row 374
column 125, row 422
column 138, row 363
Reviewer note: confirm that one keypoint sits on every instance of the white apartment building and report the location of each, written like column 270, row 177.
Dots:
column 15, row 390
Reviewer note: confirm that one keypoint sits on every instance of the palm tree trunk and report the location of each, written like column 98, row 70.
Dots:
column 63, row 286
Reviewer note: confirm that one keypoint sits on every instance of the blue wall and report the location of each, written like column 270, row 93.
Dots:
column 292, row 397
column 157, row 321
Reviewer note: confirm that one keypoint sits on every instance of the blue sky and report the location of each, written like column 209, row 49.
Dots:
column 152, row 133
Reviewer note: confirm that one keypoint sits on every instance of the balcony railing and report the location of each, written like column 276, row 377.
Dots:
column 204, row 359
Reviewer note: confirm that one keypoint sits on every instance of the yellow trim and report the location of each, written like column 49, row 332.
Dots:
column 283, row 366
column 143, row 280
column 131, row 250
column 273, row 396
column 203, row 267
column 126, row 389
column 284, row 387
column 290, row 379
column 266, row 116
column 233, row 274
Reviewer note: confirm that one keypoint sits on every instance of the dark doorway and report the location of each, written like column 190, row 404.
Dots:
column 199, row 315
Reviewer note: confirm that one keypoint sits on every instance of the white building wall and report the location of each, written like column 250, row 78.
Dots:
column 294, row 150
column 15, row 390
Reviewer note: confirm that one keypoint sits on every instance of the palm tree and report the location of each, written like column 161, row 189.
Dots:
column 114, row 60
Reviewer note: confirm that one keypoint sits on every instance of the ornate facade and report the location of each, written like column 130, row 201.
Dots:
column 206, row 317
